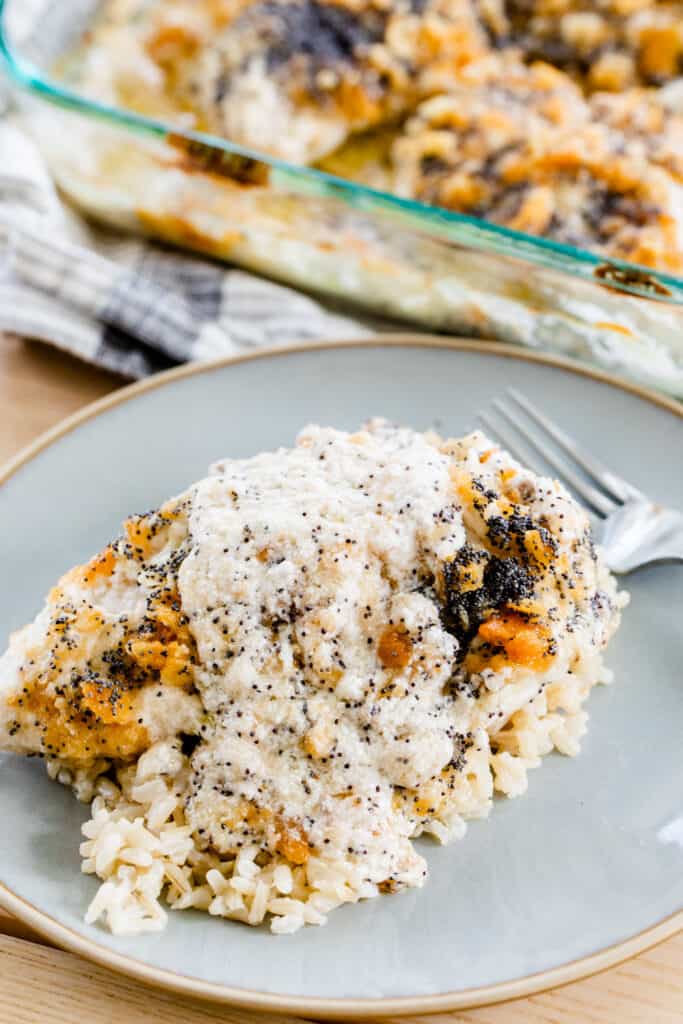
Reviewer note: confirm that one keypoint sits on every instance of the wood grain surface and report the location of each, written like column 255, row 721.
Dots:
column 42, row 985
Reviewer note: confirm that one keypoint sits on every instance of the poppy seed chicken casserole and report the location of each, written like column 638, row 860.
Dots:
column 556, row 118
column 272, row 685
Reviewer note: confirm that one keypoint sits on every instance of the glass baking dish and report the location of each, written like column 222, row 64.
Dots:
column 423, row 265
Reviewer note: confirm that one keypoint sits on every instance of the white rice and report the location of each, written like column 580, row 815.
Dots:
column 138, row 844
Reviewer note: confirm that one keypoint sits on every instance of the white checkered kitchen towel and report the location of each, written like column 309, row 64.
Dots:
column 123, row 303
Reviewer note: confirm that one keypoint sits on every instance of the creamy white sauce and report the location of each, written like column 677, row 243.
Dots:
column 301, row 559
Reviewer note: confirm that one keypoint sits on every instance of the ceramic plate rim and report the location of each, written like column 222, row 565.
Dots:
column 325, row 1008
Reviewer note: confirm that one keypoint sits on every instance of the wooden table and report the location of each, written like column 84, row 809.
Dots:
column 41, row 985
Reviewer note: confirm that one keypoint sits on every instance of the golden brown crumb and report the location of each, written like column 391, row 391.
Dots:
column 611, row 45
column 520, row 146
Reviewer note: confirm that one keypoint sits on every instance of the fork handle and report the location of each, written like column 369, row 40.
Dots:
column 668, row 549
column 640, row 533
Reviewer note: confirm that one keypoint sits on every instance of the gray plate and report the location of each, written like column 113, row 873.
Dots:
column 584, row 862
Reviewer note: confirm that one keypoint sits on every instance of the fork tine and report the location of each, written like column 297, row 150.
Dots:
column 513, row 445
column 614, row 486
column 591, row 495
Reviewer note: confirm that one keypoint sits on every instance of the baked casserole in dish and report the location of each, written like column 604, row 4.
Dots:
column 488, row 167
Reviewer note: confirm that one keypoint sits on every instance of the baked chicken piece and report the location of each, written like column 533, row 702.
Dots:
column 107, row 668
column 296, row 77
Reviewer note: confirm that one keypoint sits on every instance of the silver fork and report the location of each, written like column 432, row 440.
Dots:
column 633, row 530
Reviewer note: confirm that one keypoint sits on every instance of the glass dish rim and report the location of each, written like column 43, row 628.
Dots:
column 458, row 229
